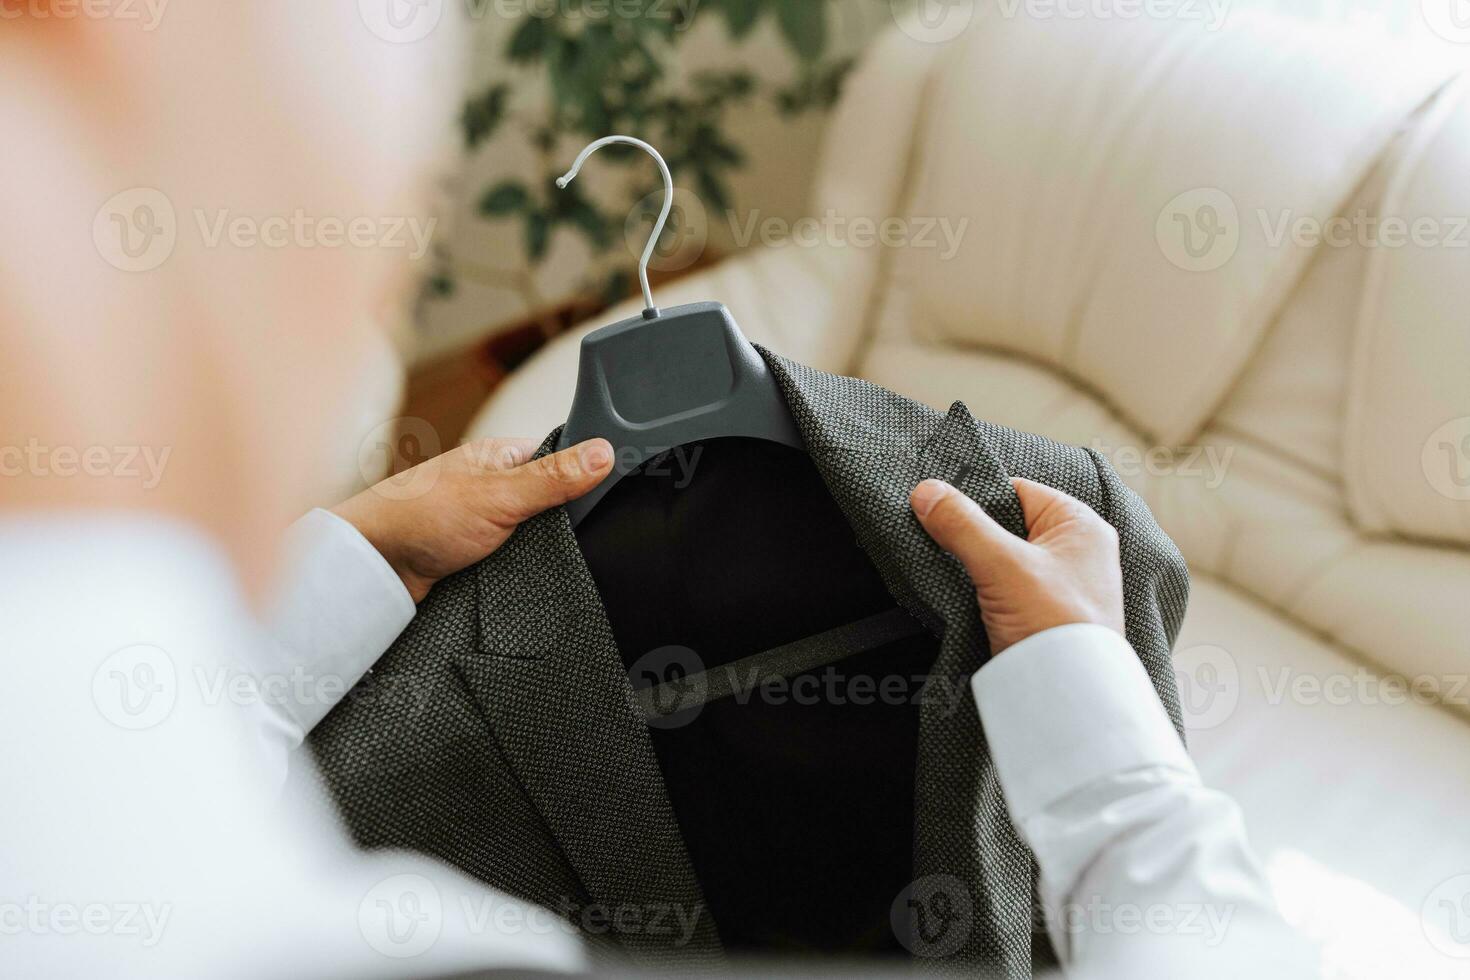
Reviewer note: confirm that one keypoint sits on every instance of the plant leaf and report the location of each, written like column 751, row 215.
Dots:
column 740, row 16
column 713, row 192
column 619, row 284
column 538, row 235
column 804, row 25
column 581, row 214
column 529, row 41
column 506, row 197
column 483, row 114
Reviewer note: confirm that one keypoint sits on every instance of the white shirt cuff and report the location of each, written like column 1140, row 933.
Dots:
column 1067, row 707
column 339, row 606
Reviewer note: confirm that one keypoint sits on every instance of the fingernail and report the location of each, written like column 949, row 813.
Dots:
column 927, row 494
column 595, row 455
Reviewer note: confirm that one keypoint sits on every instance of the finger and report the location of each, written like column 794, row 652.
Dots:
column 555, row 479
column 1045, row 507
column 961, row 527
column 500, row 454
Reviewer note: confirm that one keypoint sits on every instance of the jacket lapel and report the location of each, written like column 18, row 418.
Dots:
column 547, row 674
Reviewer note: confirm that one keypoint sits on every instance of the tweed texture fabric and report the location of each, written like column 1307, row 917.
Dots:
column 501, row 734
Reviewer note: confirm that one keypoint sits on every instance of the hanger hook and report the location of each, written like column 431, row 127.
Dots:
column 650, row 312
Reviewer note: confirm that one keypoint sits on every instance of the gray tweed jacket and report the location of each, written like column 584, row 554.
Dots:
column 500, row 732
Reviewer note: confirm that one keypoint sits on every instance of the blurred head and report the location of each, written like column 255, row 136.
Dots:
column 212, row 210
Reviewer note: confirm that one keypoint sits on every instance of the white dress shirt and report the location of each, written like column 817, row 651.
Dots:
column 1145, row 872
column 154, row 723
column 149, row 720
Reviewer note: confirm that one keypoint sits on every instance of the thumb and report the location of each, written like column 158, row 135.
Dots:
column 961, row 527
column 553, row 480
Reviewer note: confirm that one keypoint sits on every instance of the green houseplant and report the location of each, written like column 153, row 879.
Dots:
column 606, row 67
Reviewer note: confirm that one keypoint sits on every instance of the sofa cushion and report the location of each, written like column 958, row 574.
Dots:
column 1075, row 155
column 1239, row 508
column 1347, row 788
column 1291, row 394
column 1407, row 448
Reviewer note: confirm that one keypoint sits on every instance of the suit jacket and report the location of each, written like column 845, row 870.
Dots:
column 501, row 734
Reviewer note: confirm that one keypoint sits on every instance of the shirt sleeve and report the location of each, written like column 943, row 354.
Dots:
column 337, row 610
column 1144, row 870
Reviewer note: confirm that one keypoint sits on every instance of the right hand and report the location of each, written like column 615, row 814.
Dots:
column 1067, row 571
column 476, row 496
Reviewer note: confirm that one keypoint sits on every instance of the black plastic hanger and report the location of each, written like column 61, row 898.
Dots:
column 669, row 377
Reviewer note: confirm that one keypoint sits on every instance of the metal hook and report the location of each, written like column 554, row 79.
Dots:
column 650, row 312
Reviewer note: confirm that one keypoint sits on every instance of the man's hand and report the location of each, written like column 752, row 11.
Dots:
column 1066, row 572
column 472, row 499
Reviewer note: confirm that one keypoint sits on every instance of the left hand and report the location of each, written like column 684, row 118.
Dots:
column 473, row 498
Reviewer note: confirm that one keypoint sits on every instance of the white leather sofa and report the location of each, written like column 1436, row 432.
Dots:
column 1296, row 412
